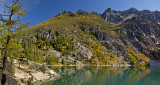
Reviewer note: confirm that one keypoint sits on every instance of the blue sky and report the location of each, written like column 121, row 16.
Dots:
column 41, row 10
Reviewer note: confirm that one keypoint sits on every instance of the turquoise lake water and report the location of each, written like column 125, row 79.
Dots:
column 107, row 76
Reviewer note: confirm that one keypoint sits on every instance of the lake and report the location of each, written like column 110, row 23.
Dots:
column 107, row 76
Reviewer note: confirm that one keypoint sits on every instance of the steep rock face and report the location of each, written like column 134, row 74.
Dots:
column 129, row 12
column 82, row 51
column 117, row 17
column 142, row 32
column 111, row 42
column 49, row 35
column 141, row 29
column 112, row 16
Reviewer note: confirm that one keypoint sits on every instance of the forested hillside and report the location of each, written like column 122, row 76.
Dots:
column 129, row 37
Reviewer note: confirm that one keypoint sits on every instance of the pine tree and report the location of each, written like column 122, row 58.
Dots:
column 10, row 26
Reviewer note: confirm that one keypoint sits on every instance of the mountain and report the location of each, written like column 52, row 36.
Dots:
column 129, row 37
column 140, row 28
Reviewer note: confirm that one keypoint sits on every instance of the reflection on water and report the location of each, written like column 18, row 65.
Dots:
column 107, row 76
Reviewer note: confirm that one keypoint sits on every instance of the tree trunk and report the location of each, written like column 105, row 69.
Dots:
column 6, row 54
column 5, row 60
column 3, row 80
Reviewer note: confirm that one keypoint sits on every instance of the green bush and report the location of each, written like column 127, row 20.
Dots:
column 51, row 59
column 10, row 69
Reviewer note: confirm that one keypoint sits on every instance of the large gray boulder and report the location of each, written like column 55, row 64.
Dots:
column 82, row 51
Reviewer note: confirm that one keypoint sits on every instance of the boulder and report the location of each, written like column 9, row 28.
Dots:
column 40, row 76
column 30, row 72
column 83, row 51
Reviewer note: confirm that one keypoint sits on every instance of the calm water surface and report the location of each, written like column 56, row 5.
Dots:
column 107, row 76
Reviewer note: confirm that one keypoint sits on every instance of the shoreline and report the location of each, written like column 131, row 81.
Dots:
column 90, row 65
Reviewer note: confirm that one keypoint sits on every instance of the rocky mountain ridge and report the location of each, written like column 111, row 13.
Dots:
column 128, row 39
column 117, row 17
column 140, row 28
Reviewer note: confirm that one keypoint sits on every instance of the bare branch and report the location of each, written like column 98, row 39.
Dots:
column 15, row 2
column 18, row 20
column 13, row 27
column 6, row 5
column 3, row 15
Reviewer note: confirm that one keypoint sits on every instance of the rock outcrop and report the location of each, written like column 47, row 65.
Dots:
column 82, row 51
column 28, row 72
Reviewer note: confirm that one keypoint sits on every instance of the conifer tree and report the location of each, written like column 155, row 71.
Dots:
column 11, row 27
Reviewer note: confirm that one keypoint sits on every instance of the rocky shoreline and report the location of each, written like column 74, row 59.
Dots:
column 28, row 72
column 92, row 65
column 31, row 73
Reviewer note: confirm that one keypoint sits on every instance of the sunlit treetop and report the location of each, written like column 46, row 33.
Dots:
column 10, row 19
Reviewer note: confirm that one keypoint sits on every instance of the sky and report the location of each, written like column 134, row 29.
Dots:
column 41, row 10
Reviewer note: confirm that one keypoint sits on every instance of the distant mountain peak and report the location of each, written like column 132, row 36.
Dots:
column 109, row 10
column 132, row 9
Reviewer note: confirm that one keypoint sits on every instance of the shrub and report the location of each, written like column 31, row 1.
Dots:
column 10, row 69
column 51, row 59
